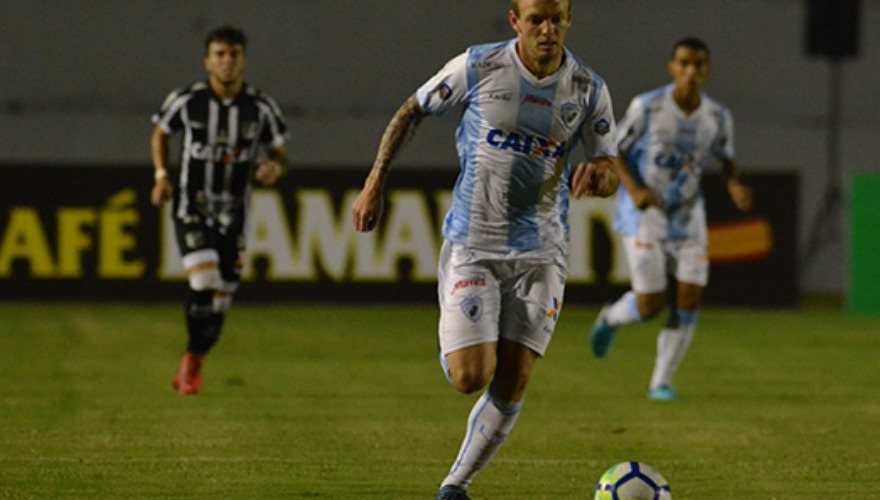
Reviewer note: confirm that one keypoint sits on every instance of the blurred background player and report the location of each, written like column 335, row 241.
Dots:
column 666, row 138
column 528, row 103
column 232, row 135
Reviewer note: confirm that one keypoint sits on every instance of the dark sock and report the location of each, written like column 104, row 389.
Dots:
column 203, row 324
column 212, row 333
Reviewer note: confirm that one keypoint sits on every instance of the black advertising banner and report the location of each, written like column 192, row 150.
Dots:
column 89, row 233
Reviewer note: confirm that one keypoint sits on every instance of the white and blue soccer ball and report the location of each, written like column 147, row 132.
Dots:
column 632, row 481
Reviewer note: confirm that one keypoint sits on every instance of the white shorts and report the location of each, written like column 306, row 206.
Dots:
column 652, row 260
column 485, row 296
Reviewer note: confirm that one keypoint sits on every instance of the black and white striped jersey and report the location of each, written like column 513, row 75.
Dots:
column 220, row 144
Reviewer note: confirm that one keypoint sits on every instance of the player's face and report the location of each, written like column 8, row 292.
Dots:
column 689, row 69
column 225, row 63
column 541, row 27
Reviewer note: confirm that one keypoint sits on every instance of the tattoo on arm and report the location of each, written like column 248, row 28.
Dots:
column 400, row 130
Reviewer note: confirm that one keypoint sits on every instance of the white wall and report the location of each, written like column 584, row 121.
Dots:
column 79, row 79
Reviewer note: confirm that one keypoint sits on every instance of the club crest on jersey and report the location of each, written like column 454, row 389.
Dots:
column 472, row 308
column 602, row 127
column 570, row 113
column 248, row 131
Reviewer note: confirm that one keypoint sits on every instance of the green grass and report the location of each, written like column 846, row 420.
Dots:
column 349, row 402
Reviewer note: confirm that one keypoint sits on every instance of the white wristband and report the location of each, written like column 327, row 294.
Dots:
column 161, row 173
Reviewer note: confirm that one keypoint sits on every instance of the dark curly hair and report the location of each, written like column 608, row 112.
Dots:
column 228, row 34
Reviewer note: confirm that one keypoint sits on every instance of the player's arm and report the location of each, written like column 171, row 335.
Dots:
column 162, row 188
column 740, row 194
column 368, row 206
column 633, row 126
column 271, row 169
column 642, row 197
column 597, row 177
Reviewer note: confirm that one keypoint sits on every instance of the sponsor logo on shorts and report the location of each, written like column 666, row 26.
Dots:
column 467, row 283
column 553, row 313
column 472, row 308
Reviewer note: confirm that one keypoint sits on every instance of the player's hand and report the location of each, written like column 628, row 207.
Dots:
column 643, row 198
column 740, row 194
column 369, row 205
column 162, row 190
column 595, row 178
column 268, row 172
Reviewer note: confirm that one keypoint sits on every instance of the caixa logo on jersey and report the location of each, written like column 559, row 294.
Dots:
column 673, row 160
column 536, row 147
column 218, row 154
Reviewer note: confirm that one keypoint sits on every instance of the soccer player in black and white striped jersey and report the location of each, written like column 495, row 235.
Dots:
column 232, row 135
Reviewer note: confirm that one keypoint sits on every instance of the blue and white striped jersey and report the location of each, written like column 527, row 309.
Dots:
column 514, row 141
column 667, row 151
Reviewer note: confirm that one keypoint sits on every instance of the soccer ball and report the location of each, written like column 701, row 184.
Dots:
column 632, row 481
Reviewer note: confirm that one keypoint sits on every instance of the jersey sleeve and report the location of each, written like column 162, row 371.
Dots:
column 632, row 125
column 445, row 89
column 722, row 147
column 275, row 133
column 168, row 118
column 600, row 130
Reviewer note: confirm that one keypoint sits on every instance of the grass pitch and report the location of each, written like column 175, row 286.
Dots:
column 349, row 402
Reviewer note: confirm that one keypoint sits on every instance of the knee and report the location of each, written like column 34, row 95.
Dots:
column 688, row 303
column 650, row 313
column 510, row 389
column 651, row 305
column 468, row 380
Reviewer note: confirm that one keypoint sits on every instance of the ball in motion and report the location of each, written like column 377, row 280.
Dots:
column 632, row 481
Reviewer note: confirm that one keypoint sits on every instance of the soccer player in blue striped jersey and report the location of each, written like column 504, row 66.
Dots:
column 667, row 137
column 528, row 107
column 225, row 124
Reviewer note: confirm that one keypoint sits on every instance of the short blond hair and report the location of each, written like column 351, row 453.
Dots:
column 514, row 6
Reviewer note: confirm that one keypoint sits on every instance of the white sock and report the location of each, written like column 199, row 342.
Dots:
column 624, row 311
column 488, row 426
column 672, row 345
